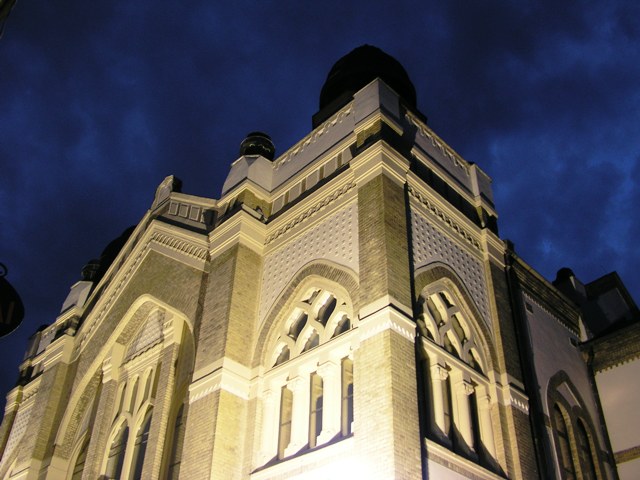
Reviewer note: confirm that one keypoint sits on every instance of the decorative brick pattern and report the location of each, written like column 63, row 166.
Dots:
column 150, row 335
column 334, row 239
column 430, row 245
column 17, row 431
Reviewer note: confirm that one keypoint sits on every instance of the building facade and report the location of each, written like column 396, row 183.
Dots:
column 345, row 309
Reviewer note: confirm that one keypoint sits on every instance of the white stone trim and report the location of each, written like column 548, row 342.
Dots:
column 387, row 318
column 313, row 136
column 242, row 228
column 223, row 375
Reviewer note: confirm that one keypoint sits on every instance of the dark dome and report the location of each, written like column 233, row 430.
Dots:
column 258, row 143
column 360, row 67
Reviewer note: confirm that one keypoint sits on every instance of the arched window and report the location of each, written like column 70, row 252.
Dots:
column 308, row 395
column 454, row 386
column 115, row 459
column 286, row 411
column 565, row 457
column 140, row 447
column 81, row 459
column 346, row 413
column 585, row 453
column 315, row 407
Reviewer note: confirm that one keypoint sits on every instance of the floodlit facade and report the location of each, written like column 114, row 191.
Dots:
column 345, row 310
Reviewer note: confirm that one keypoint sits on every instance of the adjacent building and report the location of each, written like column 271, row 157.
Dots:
column 346, row 309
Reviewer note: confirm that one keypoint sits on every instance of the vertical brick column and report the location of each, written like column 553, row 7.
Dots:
column 37, row 442
column 386, row 427
column 99, row 436
column 517, row 441
column 10, row 412
column 216, row 430
column 199, row 437
column 156, row 448
column 386, row 424
column 384, row 243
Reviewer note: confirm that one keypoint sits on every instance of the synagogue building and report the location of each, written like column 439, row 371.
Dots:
column 346, row 309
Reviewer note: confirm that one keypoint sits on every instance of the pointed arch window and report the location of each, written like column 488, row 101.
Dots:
column 81, row 459
column 565, row 456
column 115, row 460
column 140, row 446
column 455, row 401
column 585, row 453
column 308, row 395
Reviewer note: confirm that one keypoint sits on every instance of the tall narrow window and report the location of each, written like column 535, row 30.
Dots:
column 447, row 408
column 173, row 469
column 148, row 384
column 286, row 410
column 584, row 451
column 80, row 461
column 134, row 395
column 140, row 447
column 565, row 459
column 475, row 425
column 116, row 454
column 315, row 417
column 347, row 397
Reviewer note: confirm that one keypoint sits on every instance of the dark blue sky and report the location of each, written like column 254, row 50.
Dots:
column 101, row 100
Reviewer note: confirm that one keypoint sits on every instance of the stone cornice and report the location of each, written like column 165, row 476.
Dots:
column 438, row 143
column 380, row 158
column 168, row 241
column 241, row 228
column 615, row 349
column 387, row 318
column 228, row 375
column 545, row 295
column 313, row 136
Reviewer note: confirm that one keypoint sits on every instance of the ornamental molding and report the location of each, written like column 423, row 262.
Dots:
column 313, row 137
column 179, row 245
column 108, row 302
column 438, row 143
column 309, row 212
column 159, row 238
column 450, row 222
column 517, row 400
column 386, row 320
column 223, row 378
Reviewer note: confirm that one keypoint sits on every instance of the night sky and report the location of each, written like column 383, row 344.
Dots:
column 99, row 101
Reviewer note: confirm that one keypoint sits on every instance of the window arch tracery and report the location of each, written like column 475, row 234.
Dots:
column 455, row 385
column 575, row 444
column 308, row 395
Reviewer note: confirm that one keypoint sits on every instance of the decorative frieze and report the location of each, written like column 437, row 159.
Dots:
column 430, row 245
column 335, row 239
column 309, row 212
column 179, row 245
column 452, row 224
